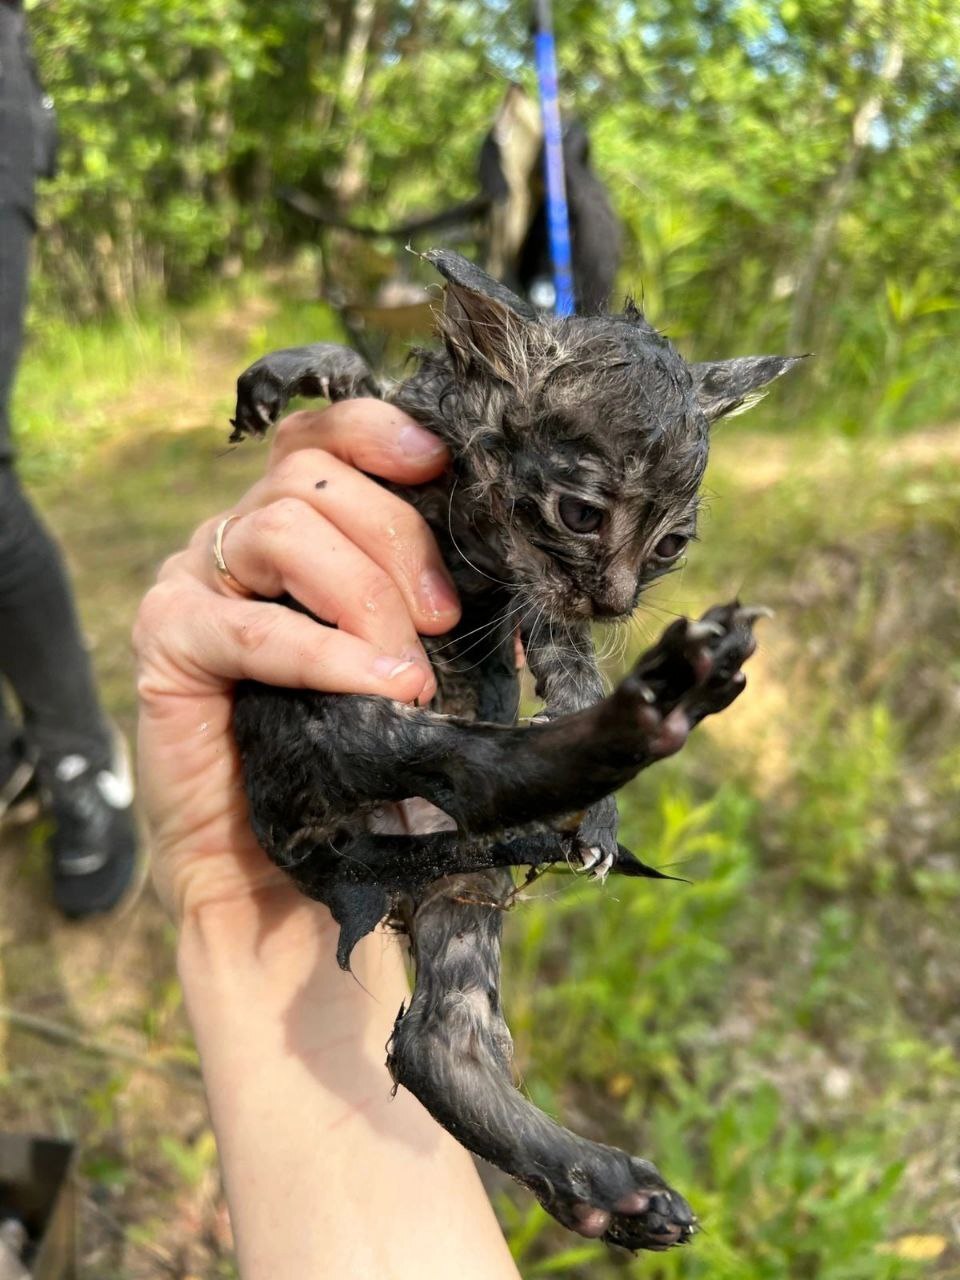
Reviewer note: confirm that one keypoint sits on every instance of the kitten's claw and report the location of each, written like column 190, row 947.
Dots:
column 598, row 863
column 322, row 369
column 749, row 613
column 697, row 632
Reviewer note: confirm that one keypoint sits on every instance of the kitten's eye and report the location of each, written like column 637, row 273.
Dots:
column 579, row 517
column 669, row 548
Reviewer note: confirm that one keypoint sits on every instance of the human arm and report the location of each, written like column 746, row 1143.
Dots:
column 326, row 1174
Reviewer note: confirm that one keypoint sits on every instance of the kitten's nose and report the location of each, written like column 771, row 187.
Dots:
column 607, row 609
column 618, row 595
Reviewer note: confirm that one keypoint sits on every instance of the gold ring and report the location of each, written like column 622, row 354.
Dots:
column 218, row 560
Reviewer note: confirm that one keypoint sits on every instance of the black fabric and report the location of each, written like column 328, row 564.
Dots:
column 16, row 230
column 19, row 92
column 42, row 654
column 18, row 89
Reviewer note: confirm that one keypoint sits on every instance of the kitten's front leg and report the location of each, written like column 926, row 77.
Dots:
column 568, row 679
column 564, row 666
column 324, row 369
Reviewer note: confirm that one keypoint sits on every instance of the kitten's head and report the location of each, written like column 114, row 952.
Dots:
column 583, row 440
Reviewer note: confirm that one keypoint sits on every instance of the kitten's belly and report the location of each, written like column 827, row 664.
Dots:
column 415, row 816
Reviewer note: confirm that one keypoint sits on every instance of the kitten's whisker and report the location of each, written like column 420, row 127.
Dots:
column 624, row 642
column 606, row 648
column 650, row 607
column 459, row 549
column 480, row 661
column 459, row 636
column 612, row 643
column 486, row 627
column 499, row 624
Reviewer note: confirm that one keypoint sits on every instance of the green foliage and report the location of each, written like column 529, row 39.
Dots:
column 634, row 1006
column 779, row 166
column 847, row 780
column 72, row 378
column 191, row 1162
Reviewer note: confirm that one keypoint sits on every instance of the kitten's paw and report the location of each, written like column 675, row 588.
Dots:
column 261, row 398
column 627, row 1203
column 692, row 671
column 734, row 645
column 323, row 369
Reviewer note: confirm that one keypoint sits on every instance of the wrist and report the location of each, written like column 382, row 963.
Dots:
column 262, row 930
column 275, row 946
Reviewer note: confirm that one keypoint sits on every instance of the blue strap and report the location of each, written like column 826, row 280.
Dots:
column 558, row 222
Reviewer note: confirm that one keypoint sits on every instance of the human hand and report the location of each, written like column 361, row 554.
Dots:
column 312, row 1144
column 358, row 557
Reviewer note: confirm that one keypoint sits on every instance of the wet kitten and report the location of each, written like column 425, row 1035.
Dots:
column 578, row 450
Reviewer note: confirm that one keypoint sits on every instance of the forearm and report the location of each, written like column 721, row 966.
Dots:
column 326, row 1173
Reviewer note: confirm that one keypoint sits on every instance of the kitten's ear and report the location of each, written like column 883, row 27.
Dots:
column 632, row 312
column 727, row 387
column 482, row 321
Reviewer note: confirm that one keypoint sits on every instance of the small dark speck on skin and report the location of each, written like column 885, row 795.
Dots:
column 321, row 484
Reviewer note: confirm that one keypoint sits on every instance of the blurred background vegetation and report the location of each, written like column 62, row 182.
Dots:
column 785, row 170
column 782, row 1033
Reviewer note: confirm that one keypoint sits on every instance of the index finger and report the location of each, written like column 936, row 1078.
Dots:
column 371, row 435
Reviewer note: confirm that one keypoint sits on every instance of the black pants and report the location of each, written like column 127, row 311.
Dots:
column 42, row 656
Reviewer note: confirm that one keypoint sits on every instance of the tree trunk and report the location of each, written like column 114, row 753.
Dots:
column 350, row 179
column 838, row 195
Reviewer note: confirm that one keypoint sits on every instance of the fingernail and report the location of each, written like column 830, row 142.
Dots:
column 419, row 659
column 437, row 594
column 416, row 443
column 389, row 668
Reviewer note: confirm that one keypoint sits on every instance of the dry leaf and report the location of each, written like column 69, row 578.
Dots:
column 915, row 1248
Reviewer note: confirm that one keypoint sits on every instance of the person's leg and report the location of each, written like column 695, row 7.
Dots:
column 15, row 234
column 18, row 791
column 10, row 733
column 42, row 654
column 14, row 246
column 43, row 657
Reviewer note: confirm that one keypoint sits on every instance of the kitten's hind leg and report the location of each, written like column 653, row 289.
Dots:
column 322, row 369
column 452, row 1050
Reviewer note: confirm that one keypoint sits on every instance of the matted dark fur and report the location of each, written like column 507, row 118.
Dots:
column 578, row 449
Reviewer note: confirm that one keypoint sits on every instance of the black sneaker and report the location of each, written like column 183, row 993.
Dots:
column 19, row 793
column 94, row 842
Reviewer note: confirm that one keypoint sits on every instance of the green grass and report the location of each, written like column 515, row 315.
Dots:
column 780, row 1034
column 82, row 386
